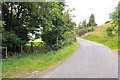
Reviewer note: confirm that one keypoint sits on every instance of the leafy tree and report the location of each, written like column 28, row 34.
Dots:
column 24, row 18
column 20, row 19
column 84, row 23
column 57, row 24
column 79, row 25
column 52, row 26
column 91, row 20
column 115, row 16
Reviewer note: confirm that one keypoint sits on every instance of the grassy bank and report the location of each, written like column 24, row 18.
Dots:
column 100, row 35
column 35, row 61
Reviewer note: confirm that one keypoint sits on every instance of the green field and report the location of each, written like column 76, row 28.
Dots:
column 35, row 61
column 36, row 40
column 100, row 35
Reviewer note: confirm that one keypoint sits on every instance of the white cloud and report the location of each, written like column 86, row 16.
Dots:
column 84, row 8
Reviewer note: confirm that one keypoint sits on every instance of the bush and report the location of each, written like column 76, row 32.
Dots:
column 64, row 39
column 90, row 29
column 116, row 29
column 94, row 24
column 107, row 22
column 109, row 30
column 70, row 36
column 82, row 32
column 12, row 42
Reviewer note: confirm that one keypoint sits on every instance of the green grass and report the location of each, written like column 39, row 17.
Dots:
column 35, row 61
column 100, row 35
column 36, row 40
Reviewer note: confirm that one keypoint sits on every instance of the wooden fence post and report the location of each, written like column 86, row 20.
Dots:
column 31, row 46
column 6, row 53
column 21, row 48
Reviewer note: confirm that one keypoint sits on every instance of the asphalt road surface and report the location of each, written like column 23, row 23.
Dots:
column 90, row 60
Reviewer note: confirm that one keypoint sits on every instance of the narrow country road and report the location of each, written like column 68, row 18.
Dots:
column 90, row 60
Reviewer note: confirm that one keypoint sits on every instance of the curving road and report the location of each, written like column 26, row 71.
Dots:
column 91, row 60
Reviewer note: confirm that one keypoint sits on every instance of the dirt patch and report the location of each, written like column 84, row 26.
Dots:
column 37, row 73
column 20, row 74
column 116, row 51
column 113, row 51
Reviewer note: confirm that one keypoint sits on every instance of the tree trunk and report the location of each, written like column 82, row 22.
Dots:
column 57, row 36
column 18, row 13
column 31, row 46
column 11, row 16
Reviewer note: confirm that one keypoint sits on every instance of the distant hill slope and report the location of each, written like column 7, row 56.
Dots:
column 100, row 35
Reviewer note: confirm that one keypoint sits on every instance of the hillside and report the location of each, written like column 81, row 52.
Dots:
column 100, row 35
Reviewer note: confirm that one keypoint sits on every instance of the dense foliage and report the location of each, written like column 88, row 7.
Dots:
column 91, row 20
column 109, row 30
column 60, row 22
column 115, row 17
column 85, row 27
column 84, row 23
column 21, row 19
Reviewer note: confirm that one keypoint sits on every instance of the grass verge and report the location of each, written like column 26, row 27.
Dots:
column 100, row 35
column 35, row 61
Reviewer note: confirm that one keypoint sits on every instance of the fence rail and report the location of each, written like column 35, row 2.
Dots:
column 35, row 44
column 30, row 49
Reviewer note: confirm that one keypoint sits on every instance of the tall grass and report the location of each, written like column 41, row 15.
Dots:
column 100, row 35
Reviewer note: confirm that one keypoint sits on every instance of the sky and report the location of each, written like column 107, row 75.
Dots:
column 84, row 8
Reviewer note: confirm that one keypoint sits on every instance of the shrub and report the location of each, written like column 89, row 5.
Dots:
column 82, row 32
column 116, row 29
column 109, row 33
column 94, row 24
column 12, row 42
column 65, row 39
column 107, row 22
column 90, row 29
column 70, row 36
column 109, row 30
